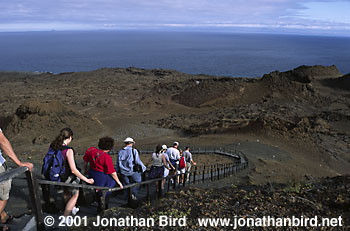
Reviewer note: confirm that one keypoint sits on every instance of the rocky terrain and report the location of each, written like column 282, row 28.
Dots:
column 291, row 125
column 328, row 198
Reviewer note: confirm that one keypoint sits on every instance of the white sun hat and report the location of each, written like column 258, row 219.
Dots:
column 129, row 140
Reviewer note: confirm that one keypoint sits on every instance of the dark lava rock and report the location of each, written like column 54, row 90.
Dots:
column 305, row 74
column 327, row 198
column 37, row 122
column 341, row 82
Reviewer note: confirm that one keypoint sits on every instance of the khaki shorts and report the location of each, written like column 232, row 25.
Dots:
column 188, row 164
column 5, row 186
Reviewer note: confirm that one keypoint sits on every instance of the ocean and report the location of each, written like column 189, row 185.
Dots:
column 212, row 53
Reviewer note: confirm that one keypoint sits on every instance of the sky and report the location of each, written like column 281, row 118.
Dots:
column 284, row 16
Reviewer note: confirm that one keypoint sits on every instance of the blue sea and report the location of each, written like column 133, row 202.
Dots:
column 212, row 53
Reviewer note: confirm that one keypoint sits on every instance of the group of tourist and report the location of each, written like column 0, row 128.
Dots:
column 171, row 160
column 99, row 167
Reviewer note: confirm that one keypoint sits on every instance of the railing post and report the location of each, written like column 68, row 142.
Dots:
column 194, row 175
column 160, row 188
column 143, row 177
column 203, row 174
column 184, row 179
column 169, row 181
column 148, row 194
column 103, row 200
column 35, row 199
column 211, row 172
column 218, row 168
column 46, row 196
column 129, row 196
column 81, row 198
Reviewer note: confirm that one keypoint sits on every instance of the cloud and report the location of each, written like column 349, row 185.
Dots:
column 158, row 13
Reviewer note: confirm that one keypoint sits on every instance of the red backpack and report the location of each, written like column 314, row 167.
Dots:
column 182, row 162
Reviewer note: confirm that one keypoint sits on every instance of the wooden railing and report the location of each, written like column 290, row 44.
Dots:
column 33, row 192
column 196, row 175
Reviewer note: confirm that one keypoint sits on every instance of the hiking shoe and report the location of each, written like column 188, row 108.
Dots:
column 133, row 197
column 75, row 210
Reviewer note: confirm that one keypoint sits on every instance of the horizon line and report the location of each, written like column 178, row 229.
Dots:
column 247, row 30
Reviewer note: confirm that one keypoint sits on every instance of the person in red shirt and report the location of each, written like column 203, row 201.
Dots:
column 101, row 167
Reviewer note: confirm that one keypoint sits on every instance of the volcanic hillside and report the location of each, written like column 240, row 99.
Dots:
column 302, row 115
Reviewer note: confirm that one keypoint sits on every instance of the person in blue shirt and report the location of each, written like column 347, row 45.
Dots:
column 128, row 157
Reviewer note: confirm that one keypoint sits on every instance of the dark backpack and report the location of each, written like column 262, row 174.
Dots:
column 182, row 163
column 54, row 167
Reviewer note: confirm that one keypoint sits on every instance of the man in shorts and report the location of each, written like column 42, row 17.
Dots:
column 189, row 161
column 5, row 186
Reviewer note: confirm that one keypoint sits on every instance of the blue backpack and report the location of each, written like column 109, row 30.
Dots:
column 54, row 165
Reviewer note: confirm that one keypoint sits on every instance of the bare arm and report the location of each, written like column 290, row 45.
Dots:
column 164, row 162
column 171, row 166
column 6, row 146
column 73, row 167
column 115, row 177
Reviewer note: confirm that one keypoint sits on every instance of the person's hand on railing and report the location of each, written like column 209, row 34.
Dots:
column 90, row 181
column 30, row 166
column 120, row 184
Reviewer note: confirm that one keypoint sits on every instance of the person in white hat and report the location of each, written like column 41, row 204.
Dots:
column 129, row 140
column 130, row 165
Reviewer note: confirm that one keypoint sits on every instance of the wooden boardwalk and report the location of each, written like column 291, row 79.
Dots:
column 122, row 197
